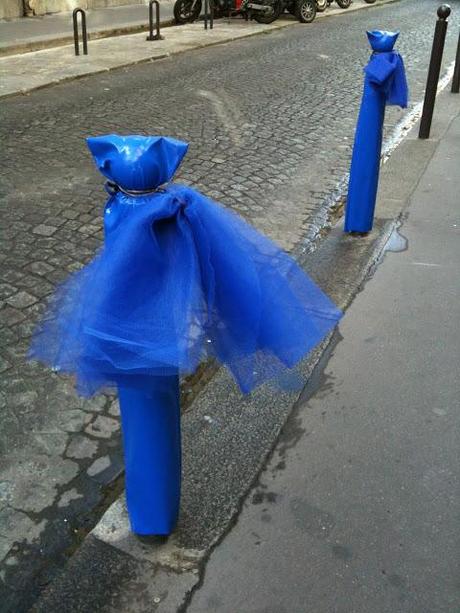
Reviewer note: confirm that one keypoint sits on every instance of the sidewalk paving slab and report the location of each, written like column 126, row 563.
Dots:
column 361, row 512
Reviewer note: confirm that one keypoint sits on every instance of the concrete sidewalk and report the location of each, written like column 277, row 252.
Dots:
column 357, row 510
column 34, row 33
column 22, row 73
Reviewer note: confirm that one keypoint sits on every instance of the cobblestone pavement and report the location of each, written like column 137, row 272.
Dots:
column 270, row 121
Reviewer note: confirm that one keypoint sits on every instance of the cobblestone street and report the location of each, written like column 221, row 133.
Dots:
column 270, row 122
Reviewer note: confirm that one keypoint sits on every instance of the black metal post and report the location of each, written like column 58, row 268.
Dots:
column 84, row 34
column 151, row 35
column 208, row 11
column 434, row 70
column 456, row 79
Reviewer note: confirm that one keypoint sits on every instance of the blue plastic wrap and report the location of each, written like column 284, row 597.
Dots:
column 179, row 279
column 384, row 83
column 150, row 417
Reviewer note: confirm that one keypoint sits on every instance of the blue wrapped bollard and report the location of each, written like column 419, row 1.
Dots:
column 384, row 83
column 179, row 279
column 150, row 417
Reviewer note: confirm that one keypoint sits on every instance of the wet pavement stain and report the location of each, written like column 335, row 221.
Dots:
column 397, row 242
column 260, row 497
column 291, row 435
column 311, row 519
column 397, row 581
column 342, row 552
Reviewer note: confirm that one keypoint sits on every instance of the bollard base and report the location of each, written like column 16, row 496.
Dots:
column 155, row 37
column 150, row 416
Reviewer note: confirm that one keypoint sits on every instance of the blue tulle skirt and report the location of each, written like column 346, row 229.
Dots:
column 181, row 279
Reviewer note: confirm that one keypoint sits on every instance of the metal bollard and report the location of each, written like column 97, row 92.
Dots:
column 83, row 31
column 151, row 35
column 208, row 11
column 456, row 78
column 434, row 70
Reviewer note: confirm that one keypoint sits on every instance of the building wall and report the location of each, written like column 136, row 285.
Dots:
column 41, row 7
column 95, row 4
column 10, row 9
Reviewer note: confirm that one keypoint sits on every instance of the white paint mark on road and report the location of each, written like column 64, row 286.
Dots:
column 226, row 112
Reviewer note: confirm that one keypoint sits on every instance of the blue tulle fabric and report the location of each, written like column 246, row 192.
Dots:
column 178, row 279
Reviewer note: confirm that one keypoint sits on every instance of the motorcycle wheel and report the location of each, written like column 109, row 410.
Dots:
column 268, row 17
column 306, row 10
column 321, row 5
column 344, row 4
column 186, row 11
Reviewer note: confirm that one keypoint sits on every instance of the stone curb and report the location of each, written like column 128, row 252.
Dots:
column 227, row 438
column 261, row 30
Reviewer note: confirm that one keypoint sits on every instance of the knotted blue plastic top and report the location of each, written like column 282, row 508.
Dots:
column 381, row 40
column 137, row 162
column 385, row 70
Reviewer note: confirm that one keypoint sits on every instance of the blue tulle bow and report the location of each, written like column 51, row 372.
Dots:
column 179, row 279
column 384, row 84
column 385, row 70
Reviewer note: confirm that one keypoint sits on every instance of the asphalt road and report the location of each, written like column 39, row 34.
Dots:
column 270, row 121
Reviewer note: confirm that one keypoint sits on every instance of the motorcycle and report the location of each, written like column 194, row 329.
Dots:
column 344, row 4
column 305, row 10
column 186, row 11
column 262, row 11
column 266, row 11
